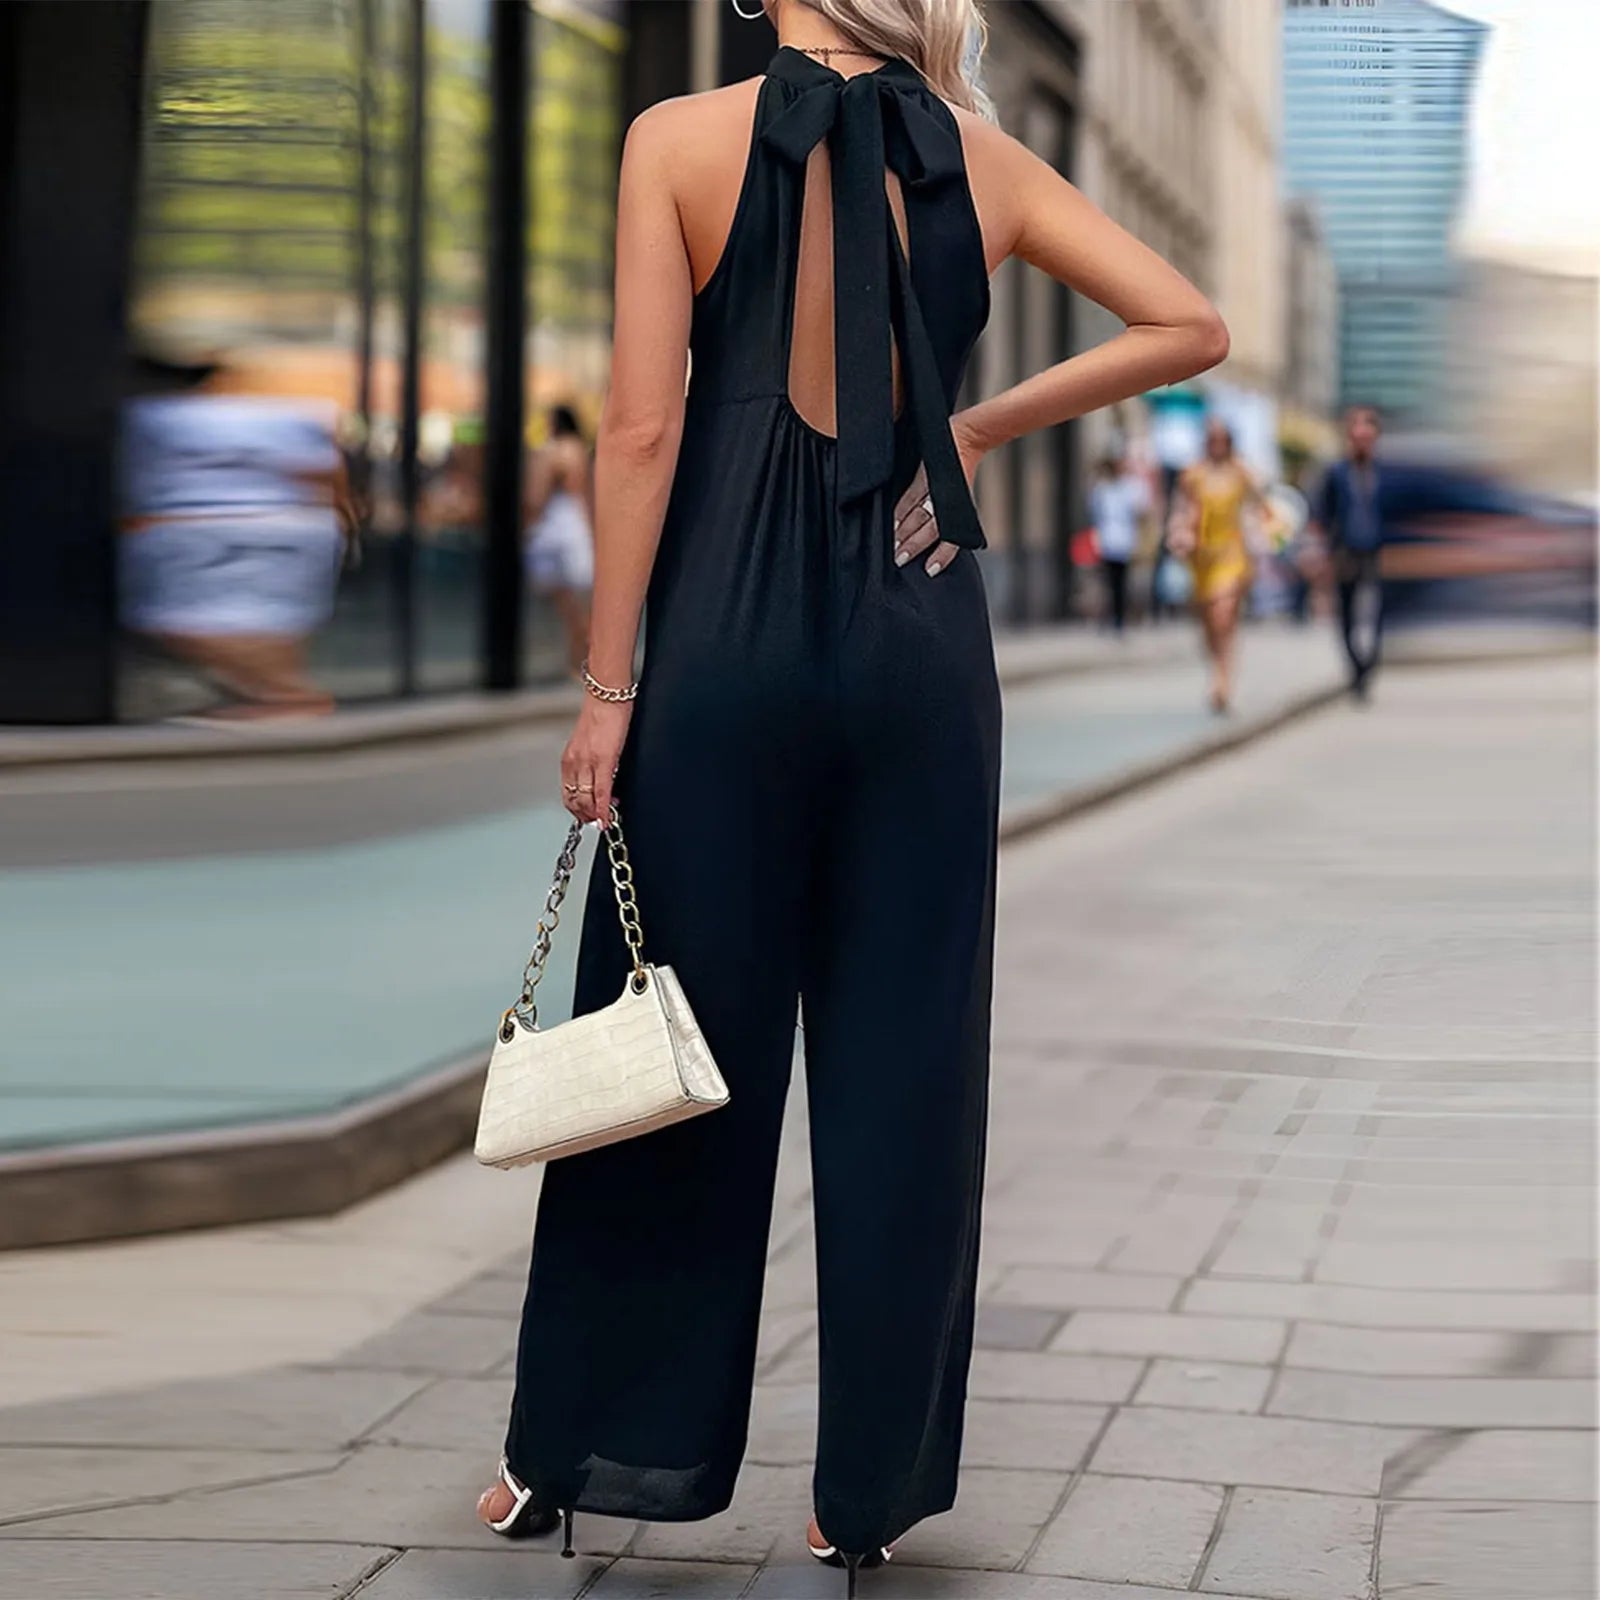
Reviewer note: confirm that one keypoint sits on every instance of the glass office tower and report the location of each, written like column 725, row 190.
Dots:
column 1377, row 95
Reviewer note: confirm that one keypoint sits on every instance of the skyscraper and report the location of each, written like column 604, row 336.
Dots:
column 1376, row 101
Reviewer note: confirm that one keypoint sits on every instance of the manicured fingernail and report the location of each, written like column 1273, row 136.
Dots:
column 934, row 568
column 901, row 557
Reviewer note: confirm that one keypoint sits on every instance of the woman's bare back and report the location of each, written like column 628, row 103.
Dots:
column 711, row 134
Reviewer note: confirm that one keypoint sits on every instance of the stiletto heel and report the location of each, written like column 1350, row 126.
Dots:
column 566, row 1534
column 852, row 1565
column 831, row 1556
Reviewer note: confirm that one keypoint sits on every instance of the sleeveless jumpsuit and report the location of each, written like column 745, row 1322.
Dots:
column 810, row 789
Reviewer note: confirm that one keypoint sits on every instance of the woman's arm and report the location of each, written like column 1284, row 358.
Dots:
column 1269, row 525
column 1183, row 525
column 537, row 486
column 1172, row 331
column 636, row 451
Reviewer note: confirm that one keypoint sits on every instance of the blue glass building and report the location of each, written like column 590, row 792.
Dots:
column 1376, row 99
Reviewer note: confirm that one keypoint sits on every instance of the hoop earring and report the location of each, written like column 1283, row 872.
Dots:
column 750, row 16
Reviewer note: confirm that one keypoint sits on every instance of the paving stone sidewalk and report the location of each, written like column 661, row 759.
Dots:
column 1286, row 1289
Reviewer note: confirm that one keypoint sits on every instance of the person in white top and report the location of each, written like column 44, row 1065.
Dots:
column 560, row 538
column 1118, row 500
column 235, row 515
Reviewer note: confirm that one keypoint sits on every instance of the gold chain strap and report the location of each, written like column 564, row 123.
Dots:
column 526, row 1010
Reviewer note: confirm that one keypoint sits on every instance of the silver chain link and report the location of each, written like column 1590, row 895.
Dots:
column 526, row 1009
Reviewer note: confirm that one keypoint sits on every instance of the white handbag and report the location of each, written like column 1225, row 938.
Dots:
column 639, row 1064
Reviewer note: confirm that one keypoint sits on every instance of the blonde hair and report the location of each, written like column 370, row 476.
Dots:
column 942, row 39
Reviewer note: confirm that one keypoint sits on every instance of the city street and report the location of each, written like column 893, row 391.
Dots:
column 1287, row 1283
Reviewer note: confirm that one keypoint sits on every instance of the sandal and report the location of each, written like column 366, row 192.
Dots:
column 830, row 1556
column 526, row 1518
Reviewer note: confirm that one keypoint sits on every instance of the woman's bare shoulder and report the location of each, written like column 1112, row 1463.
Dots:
column 693, row 128
column 986, row 141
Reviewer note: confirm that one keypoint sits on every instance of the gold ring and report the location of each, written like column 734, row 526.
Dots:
column 584, row 788
column 569, row 788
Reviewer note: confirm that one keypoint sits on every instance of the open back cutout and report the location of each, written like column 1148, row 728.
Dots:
column 812, row 377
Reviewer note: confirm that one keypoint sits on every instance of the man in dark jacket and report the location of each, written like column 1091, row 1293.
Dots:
column 1348, row 511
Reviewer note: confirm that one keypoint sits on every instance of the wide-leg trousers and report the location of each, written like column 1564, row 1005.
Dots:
column 827, row 837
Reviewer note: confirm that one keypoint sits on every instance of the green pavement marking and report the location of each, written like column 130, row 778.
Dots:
column 170, row 994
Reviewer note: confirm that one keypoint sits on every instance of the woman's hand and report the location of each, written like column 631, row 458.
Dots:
column 589, row 763
column 1183, row 527
column 915, row 526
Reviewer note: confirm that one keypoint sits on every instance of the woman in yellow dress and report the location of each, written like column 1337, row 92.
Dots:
column 1208, row 529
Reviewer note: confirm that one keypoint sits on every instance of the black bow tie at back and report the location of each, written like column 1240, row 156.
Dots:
column 872, row 121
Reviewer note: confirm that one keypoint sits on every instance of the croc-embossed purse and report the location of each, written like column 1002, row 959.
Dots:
column 638, row 1064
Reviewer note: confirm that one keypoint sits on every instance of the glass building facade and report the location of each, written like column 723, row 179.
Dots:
column 313, row 218
column 345, row 256
column 1377, row 96
column 288, row 293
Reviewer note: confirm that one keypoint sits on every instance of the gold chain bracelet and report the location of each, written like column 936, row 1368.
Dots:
column 605, row 692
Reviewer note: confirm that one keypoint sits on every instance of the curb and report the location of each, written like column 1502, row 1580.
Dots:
column 408, row 722
column 312, row 1166
column 260, row 1172
column 1063, row 806
column 465, row 716
column 420, row 721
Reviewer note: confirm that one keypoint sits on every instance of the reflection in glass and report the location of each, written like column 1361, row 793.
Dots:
column 244, row 263
column 448, row 572
column 232, row 535
column 576, row 134
column 313, row 232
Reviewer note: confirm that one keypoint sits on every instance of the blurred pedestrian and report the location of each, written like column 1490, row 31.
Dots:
column 1117, row 501
column 1348, row 512
column 809, row 763
column 236, row 513
column 560, row 546
column 1208, row 529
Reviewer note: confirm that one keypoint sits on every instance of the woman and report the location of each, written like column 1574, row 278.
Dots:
column 560, row 552
column 1117, row 501
column 236, row 517
column 809, row 775
column 1208, row 528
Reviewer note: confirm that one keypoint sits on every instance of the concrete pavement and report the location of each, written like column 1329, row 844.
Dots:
column 1287, row 1280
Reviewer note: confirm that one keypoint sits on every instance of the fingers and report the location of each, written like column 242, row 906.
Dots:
column 604, row 782
column 589, row 766
column 570, row 796
column 578, row 786
column 916, row 530
column 587, row 810
column 914, row 527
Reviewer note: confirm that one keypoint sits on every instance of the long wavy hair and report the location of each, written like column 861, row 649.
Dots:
column 942, row 39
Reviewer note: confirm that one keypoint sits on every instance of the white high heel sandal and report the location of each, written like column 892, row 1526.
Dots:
column 525, row 1519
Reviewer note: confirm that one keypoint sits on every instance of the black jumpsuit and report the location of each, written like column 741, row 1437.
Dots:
column 810, row 792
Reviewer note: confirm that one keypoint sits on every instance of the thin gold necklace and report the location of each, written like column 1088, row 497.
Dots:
column 827, row 52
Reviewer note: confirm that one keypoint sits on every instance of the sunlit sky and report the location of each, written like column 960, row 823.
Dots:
column 1532, row 195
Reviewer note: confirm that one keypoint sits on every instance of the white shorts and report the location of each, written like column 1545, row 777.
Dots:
column 560, row 549
column 273, row 573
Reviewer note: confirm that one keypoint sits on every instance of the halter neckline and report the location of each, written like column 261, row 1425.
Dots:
column 793, row 64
